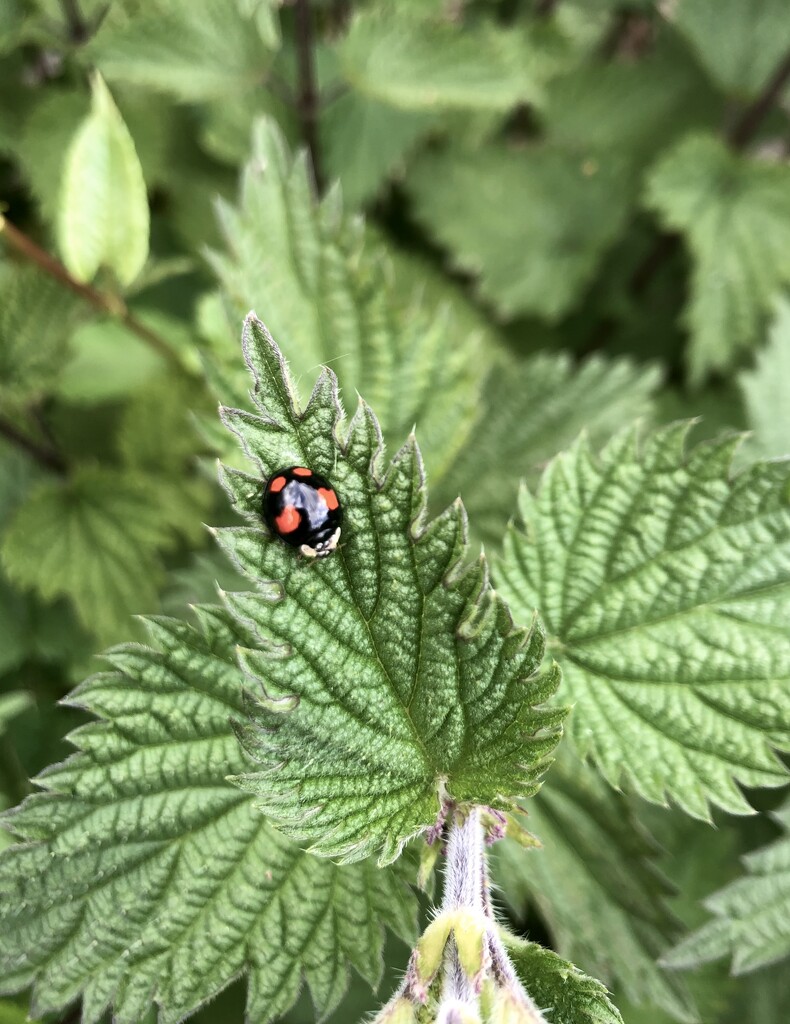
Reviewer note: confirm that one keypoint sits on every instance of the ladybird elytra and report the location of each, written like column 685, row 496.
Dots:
column 303, row 510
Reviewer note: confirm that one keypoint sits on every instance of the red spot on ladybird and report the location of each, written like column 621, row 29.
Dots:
column 329, row 497
column 288, row 520
column 301, row 471
column 277, row 484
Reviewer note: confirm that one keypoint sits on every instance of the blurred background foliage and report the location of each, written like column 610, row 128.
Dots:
column 576, row 213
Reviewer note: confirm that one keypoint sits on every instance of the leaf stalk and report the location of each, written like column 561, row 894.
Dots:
column 110, row 304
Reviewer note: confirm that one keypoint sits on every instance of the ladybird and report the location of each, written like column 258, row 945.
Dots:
column 303, row 509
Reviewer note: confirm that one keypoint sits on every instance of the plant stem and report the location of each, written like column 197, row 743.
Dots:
column 465, row 883
column 465, row 874
column 307, row 93
column 111, row 304
column 50, row 458
column 747, row 125
column 77, row 26
column 664, row 246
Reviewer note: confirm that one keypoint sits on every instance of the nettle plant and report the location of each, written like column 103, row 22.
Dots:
column 374, row 782
column 259, row 791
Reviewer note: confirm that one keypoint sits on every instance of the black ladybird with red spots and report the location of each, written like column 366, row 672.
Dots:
column 303, row 509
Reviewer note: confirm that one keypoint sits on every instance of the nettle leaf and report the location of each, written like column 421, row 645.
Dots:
column 536, row 222
column 93, row 537
column 103, row 213
column 142, row 876
column 530, row 410
column 664, row 582
column 106, row 362
column 421, row 59
column 44, row 141
column 569, row 996
column 764, row 389
column 191, row 49
column 36, row 314
column 751, row 921
column 633, row 108
column 364, row 141
column 390, row 677
column 595, row 875
column 739, row 45
column 735, row 214
column 330, row 297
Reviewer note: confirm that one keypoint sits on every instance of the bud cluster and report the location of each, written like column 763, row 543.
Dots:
column 459, row 971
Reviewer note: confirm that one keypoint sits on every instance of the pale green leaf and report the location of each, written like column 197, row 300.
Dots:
column 425, row 59
column 227, row 123
column 532, row 223
column 92, row 537
column 366, row 141
column 106, row 362
column 103, row 213
column 35, row 316
column 735, row 215
column 595, row 876
column 530, row 410
column 44, row 141
column 330, row 298
column 751, row 916
column 739, row 44
column 143, row 877
column 664, row 583
column 191, row 49
column 765, row 389
column 568, row 995
column 388, row 678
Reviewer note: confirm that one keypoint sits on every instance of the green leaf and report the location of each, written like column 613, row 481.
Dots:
column 664, row 582
column 596, row 886
column 103, row 218
column 142, row 876
column 94, row 538
column 106, row 361
column 735, row 214
column 35, row 316
column 44, row 141
column 365, row 141
column 739, row 44
column 570, row 996
column 13, row 16
column 423, row 60
column 390, row 677
column 535, row 222
column 631, row 108
column 330, row 298
column 761, row 996
column 11, row 705
column 191, row 49
column 530, row 410
column 765, row 389
column 751, row 920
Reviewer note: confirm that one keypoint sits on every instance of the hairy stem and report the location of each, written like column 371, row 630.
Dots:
column 111, row 304
column 465, row 887
column 307, row 94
